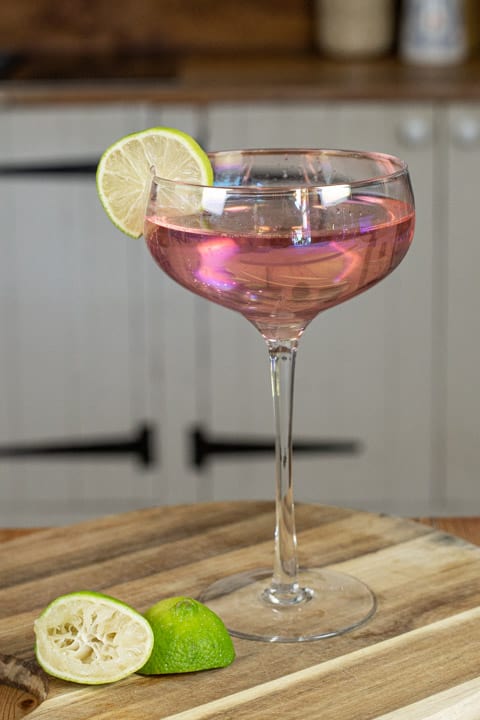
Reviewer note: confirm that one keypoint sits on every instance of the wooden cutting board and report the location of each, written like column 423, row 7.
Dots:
column 419, row 657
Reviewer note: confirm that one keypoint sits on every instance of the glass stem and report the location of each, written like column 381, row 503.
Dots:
column 284, row 589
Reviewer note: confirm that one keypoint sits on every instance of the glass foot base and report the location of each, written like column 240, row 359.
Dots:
column 329, row 603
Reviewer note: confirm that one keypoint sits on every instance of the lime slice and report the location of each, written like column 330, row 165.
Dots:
column 90, row 638
column 125, row 170
column 188, row 637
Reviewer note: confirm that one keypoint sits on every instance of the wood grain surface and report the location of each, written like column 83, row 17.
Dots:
column 417, row 658
column 158, row 25
column 23, row 686
column 466, row 527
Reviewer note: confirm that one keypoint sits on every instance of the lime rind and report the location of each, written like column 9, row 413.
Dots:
column 91, row 638
column 188, row 637
column 125, row 171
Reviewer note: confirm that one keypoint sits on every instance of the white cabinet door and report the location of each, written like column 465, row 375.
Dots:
column 459, row 360
column 364, row 368
column 84, row 318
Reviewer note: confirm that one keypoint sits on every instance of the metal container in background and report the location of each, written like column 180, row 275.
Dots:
column 433, row 32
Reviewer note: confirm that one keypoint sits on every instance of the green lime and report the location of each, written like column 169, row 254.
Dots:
column 90, row 638
column 188, row 636
column 124, row 172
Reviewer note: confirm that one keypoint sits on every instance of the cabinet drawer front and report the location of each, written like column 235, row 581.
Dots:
column 81, row 350
column 364, row 368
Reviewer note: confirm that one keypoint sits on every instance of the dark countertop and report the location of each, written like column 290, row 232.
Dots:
column 203, row 79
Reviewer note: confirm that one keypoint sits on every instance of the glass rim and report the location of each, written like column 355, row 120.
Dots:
column 401, row 169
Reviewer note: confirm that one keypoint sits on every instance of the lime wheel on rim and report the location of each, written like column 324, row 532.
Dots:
column 125, row 170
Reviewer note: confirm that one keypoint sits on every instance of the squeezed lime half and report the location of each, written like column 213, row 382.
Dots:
column 188, row 636
column 90, row 638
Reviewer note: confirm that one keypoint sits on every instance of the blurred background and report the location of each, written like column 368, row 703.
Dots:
column 120, row 390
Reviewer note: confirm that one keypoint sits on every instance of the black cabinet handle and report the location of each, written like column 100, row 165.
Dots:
column 139, row 445
column 87, row 168
column 8, row 62
column 202, row 447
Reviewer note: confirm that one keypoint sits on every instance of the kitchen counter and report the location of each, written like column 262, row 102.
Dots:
column 202, row 79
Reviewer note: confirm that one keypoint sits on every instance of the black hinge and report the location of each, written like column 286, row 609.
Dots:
column 86, row 168
column 139, row 445
column 203, row 447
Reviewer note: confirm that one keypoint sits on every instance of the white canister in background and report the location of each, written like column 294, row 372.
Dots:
column 433, row 32
column 354, row 28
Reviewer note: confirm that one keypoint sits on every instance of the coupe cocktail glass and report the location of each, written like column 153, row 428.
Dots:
column 279, row 237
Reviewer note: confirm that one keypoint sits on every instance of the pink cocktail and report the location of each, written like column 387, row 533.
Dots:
column 276, row 282
column 281, row 236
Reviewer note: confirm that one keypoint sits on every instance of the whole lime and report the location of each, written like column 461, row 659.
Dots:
column 188, row 636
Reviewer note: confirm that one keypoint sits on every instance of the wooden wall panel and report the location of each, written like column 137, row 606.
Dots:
column 155, row 25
